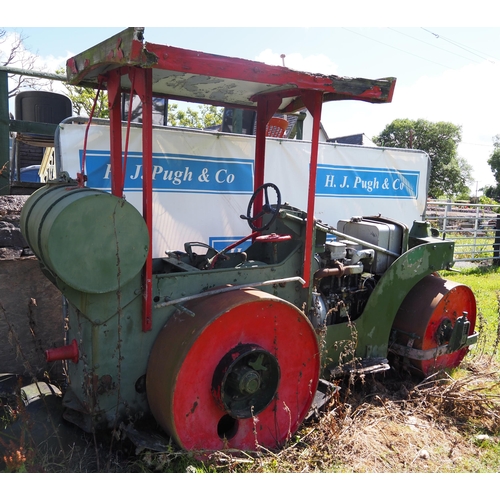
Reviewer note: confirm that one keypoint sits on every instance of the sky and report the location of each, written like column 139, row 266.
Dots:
column 447, row 69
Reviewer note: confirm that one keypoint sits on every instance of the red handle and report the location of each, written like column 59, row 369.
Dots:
column 65, row 352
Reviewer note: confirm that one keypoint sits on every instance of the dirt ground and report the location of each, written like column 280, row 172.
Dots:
column 30, row 305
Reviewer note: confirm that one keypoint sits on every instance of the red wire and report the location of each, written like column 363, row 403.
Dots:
column 81, row 176
column 129, row 119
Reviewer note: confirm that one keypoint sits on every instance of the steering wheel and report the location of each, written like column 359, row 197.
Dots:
column 266, row 207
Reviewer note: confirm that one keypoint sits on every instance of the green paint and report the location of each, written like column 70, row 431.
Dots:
column 4, row 134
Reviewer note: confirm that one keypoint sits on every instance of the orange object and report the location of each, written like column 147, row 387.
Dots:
column 276, row 127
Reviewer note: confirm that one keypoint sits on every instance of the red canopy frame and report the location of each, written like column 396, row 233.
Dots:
column 128, row 64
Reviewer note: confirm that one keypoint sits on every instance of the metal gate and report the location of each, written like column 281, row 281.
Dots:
column 475, row 228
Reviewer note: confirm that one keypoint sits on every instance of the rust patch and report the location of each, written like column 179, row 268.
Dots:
column 98, row 385
column 105, row 384
column 193, row 408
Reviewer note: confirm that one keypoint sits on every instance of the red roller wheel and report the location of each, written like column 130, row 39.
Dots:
column 429, row 312
column 241, row 372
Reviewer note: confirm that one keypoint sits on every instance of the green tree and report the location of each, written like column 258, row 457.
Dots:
column 455, row 178
column 494, row 163
column 492, row 192
column 83, row 100
column 450, row 174
column 205, row 117
column 494, row 159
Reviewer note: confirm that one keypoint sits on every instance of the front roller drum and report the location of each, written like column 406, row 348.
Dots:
column 427, row 319
column 241, row 373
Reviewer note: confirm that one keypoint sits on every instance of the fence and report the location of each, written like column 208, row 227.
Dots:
column 475, row 228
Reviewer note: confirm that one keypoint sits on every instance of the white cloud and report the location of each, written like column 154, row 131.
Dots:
column 51, row 63
column 317, row 63
column 24, row 55
column 467, row 97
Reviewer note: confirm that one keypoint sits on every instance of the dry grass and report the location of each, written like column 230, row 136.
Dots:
column 380, row 424
column 384, row 423
column 438, row 425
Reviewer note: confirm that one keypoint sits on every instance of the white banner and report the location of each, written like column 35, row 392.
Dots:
column 203, row 181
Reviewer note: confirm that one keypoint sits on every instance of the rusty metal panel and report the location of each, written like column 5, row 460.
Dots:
column 207, row 78
column 122, row 49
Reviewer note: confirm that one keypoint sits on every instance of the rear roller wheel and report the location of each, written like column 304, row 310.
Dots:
column 240, row 373
column 428, row 315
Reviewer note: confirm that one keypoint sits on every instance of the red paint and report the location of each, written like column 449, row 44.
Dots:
column 190, row 61
column 266, row 107
column 273, row 238
column 427, row 305
column 144, row 82
column 313, row 100
column 373, row 93
column 186, row 356
column 136, row 50
column 231, row 246
column 71, row 64
column 114, row 100
column 459, row 298
column 61, row 353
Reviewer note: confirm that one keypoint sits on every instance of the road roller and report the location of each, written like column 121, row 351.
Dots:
column 231, row 348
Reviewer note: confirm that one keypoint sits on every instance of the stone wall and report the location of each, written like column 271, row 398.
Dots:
column 12, row 243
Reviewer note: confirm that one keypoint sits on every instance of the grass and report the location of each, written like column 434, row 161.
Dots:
column 390, row 422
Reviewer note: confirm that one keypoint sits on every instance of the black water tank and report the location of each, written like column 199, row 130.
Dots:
column 42, row 107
